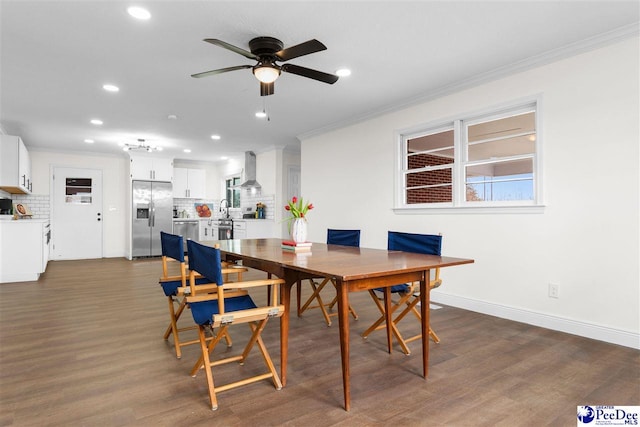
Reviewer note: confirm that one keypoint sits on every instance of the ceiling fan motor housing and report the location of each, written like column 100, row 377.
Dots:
column 265, row 46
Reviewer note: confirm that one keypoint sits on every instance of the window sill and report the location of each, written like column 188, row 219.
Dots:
column 529, row 209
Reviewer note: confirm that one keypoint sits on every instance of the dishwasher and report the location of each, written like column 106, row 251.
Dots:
column 188, row 229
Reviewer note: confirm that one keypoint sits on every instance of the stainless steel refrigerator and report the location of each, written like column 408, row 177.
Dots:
column 152, row 206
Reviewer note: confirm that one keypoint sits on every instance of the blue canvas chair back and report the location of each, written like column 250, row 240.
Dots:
column 429, row 244
column 343, row 237
column 172, row 246
column 206, row 261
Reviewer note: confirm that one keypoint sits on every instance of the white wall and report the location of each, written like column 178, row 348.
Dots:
column 587, row 238
column 114, row 192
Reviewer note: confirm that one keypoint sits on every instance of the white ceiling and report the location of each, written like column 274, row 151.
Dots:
column 56, row 55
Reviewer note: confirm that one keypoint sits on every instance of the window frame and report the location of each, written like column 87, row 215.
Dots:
column 233, row 188
column 460, row 124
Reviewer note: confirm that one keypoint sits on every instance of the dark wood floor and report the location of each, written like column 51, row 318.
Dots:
column 83, row 346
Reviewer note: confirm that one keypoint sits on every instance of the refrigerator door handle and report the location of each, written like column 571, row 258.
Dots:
column 152, row 215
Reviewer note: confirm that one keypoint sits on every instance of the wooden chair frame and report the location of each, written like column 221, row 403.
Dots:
column 334, row 236
column 255, row 318
column 316, row 296
column 409, row 300
column 177, row 303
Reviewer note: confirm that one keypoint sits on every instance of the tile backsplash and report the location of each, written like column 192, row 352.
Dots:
column 249, row 200
column 41, row 208
column 246, row 200
column 39, row 204
column 188, row 207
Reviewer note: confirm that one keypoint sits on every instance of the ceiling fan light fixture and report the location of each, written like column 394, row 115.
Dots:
column 266, row 73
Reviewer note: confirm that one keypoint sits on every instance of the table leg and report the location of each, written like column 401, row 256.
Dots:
column 343, row 325
column 284, row 330
column 425, row 299
column 387, row 317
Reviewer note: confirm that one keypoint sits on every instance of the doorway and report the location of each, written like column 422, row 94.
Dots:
column 76, row 220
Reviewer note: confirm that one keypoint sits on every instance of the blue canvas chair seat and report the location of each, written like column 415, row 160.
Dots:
column 408, row 294
column 170, row 288
column 203, row 311
column 218, row 311
column 173, row 250
column 334, row 237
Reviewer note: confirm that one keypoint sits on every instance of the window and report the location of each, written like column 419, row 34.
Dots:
column 482, row 160
column 233, row 191
column 78, row 191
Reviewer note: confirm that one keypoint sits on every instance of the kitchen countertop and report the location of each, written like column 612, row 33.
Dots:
column 26, row 221
column 217, row 218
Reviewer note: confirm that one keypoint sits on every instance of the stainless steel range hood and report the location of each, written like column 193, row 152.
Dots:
column 250, row 171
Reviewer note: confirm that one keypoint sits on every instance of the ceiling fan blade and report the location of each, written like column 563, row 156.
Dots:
column 266, row 89
column 232, row 48
column 308, row 72
column 301, row 49
column 220, row 71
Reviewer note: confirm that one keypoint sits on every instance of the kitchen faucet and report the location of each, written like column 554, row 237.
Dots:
column 226, row 208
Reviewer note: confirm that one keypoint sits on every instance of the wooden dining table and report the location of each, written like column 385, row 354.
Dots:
column 353, row 269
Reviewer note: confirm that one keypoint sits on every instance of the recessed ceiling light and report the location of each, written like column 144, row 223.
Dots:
column 186, row 150
column 89, row 141
column 261, row 114
column 96, row 121
column 216, row 137
column 172, row 117
column 110, row 88
column 343, row 72
column 224, row 158
column 139, row 13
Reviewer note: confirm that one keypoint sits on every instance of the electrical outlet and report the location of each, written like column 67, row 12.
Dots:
column 554, row 290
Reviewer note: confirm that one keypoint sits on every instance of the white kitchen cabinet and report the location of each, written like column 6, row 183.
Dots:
column 24, row 249
column 239, row 229
column 15, row 166
column 189, row 183
column 208, row 229
column 151, row 168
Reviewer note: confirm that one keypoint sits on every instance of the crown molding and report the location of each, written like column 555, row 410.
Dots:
column 564, row 52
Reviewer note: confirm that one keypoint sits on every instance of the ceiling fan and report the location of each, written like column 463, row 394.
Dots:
column 268, row 50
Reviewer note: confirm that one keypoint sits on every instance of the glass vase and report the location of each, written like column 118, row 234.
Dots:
column 299, row 230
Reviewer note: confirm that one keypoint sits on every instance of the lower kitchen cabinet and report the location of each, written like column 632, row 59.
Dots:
column 24, row 249
column 239, row 229
column 208, row 229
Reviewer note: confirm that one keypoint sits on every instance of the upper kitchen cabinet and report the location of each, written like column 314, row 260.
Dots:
column 189, row 183
column 149, row 168
column 15, row 166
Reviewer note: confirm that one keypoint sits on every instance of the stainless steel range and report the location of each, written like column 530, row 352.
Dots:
column 225, row 228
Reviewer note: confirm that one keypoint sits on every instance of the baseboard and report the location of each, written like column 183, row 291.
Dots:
column 588, row 330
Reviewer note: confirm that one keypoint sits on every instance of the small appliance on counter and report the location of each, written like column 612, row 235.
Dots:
column 6, row 209
column 175, row 212
column 249, row 212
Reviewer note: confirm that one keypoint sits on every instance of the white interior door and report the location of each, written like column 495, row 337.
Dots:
column 76, row 224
